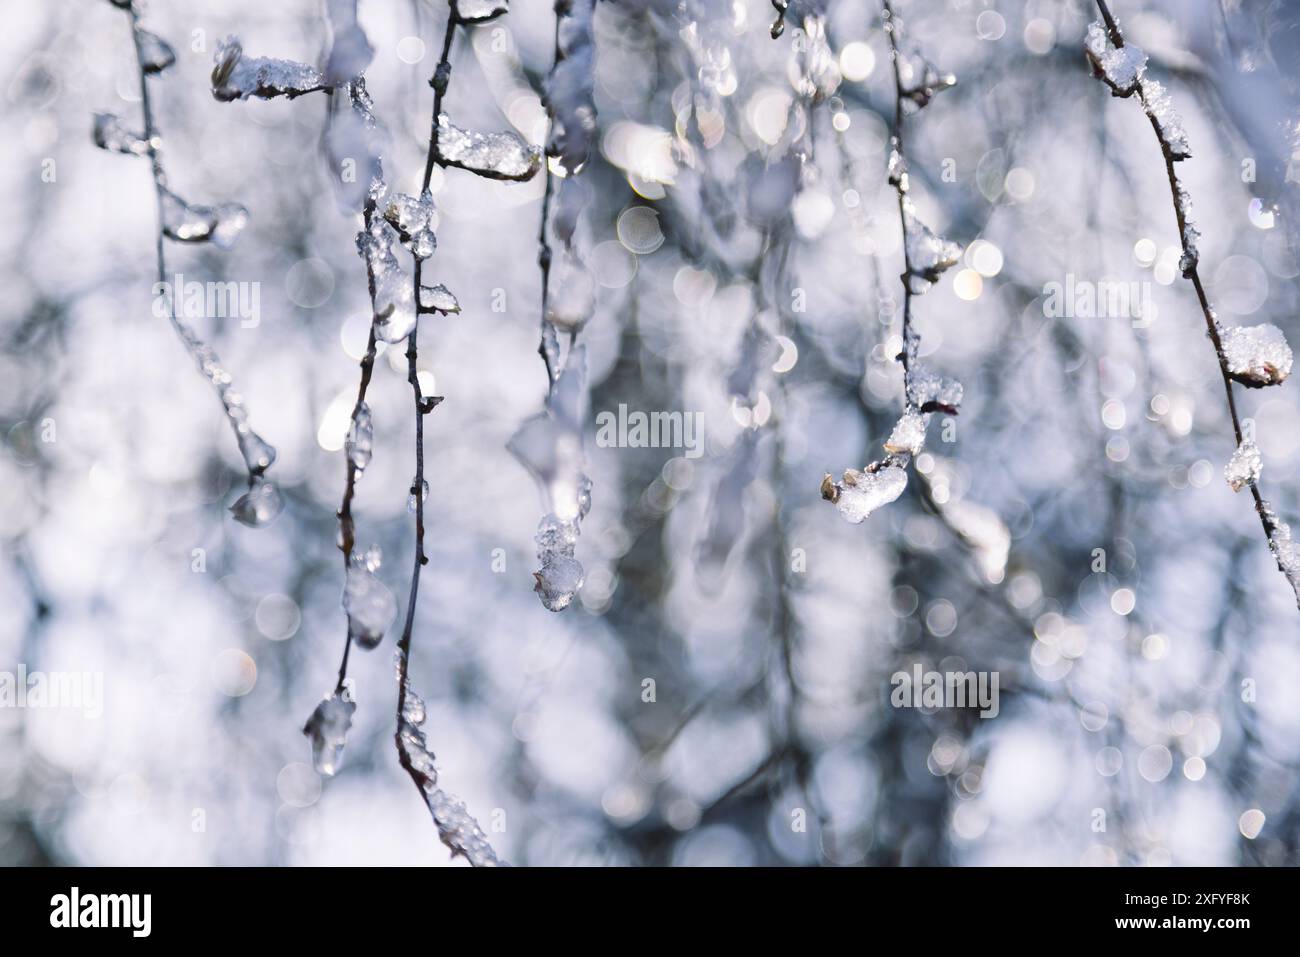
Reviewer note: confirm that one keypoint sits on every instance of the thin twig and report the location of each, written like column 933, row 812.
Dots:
column 1266, row 516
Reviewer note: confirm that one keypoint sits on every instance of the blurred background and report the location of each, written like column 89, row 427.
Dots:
column 1070, row 530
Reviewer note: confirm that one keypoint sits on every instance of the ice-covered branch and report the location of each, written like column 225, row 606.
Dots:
column 925, row 257
column 1254, row 356
column 185, row 222
column 549, row 444
column 389, row 220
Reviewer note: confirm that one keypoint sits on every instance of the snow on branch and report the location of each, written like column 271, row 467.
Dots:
column 1254, row 356
column 925, row 257
column 185, row 222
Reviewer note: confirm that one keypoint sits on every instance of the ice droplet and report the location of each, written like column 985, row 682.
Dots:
column 558, row 581
column 259, row 455
column 493, row 155
column 360, row 440
column 187, row 223
column 862, row 492
column 258, row 506
column 156, row 54
column 1256, row 356
column 112, row 135
column 328, row 729
column 1244, row 467
column 237, row 77
column 369, row 604
column 411, row 503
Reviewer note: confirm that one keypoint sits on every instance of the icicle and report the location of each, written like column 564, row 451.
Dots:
column 360, row 442
column 572, row 297
column 570, row 90
column 369, row 604
column 258, row 506
column 350, row 51
column 493, row 155
column 328, row 729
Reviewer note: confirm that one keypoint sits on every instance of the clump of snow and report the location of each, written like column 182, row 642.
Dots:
column 908, row 434
column 862, row 492
column 492, row 155
column 1244, row 467
column 1256, row 356
column 237, row 77
column 1120, row 68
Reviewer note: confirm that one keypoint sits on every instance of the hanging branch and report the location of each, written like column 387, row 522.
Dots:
column 1253, row 356
column 925, row 257
column 188, row 223
column 397, row 303
column 549, row 444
